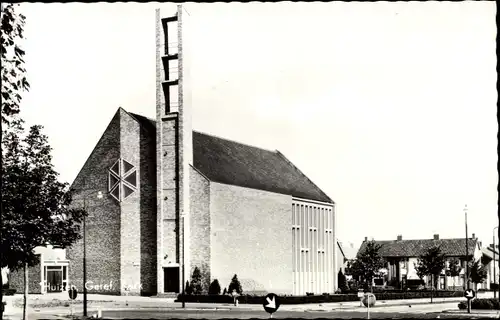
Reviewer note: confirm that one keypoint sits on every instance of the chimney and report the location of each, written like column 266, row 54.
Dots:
column 366, row 239
column 436, row 237
column 400, row 237
column 473, row 236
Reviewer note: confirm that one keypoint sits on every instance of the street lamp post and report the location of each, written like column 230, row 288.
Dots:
column 183, row 262
column 84, row 261
column 99, row 196
column 467, row 258
column 494, row 266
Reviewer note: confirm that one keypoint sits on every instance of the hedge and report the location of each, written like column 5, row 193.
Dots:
column 484, row 304
column 8, row 292
column 249, row 299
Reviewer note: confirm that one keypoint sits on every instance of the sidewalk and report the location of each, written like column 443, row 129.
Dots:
column 61, row 302
column 477, row 313
column 378, row 304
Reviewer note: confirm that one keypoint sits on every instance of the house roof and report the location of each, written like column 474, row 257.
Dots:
column 229, row 162
column 348, row 249
column 416, row 248
column 489, row 253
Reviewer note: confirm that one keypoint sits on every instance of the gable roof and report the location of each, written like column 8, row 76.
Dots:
column 234, row 163
column 488, row 252
column 416, row 248
column 229, row 162
column 347, row 249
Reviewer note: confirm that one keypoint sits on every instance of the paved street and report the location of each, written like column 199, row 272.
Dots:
column 119, row 307
column 253, row 314
column 446, row 310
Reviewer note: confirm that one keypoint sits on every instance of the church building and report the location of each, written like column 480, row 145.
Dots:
column 163, row 199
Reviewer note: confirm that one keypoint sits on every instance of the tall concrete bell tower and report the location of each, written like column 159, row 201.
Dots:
column 174, row 149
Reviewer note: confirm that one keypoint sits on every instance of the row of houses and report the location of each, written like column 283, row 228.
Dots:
column 402, row 256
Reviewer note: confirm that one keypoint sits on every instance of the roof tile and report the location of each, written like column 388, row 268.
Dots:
column 234, row 163
column 416, row 248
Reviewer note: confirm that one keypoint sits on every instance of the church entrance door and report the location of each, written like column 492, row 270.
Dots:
column 171, row 279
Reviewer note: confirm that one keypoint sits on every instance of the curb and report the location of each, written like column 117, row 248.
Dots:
column 485, row 312
column 247, row 307
column 414, row 303
column 66, row 311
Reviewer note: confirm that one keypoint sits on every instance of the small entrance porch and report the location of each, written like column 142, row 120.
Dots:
column 54, row 277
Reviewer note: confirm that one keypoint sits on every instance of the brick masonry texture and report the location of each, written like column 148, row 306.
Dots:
column 251, row 237
column 127, row 231
column 103, row 222
column 160, row 111
column 185, row 135
column 199, row 249
column 16, row 280
column 170, row 222
column 130, row 232
column 147, row 185
column 138, row 211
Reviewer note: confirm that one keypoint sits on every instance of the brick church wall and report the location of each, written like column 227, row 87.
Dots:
column 130, row 210
column 147, row 185
column 251, row 237
column 138, row 223
column 200, row 226
column 103, row 221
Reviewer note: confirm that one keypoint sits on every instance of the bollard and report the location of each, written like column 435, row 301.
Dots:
column 126, row 295
column 99, row 313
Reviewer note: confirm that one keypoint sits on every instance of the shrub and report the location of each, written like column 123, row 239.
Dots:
column 413, row 284
column 482, row 304
column 196, row 281
column 257, row 299
column 189, row 288
column 8, row 292
column 235, row 285
column 205, row 298
column 214, row 287
column 353, row 286
column 393, row 283
column 342, row 282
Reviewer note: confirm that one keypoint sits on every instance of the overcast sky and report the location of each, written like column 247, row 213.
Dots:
column 390, row 108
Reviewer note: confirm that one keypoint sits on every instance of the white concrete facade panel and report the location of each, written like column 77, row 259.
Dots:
column 314, row 251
